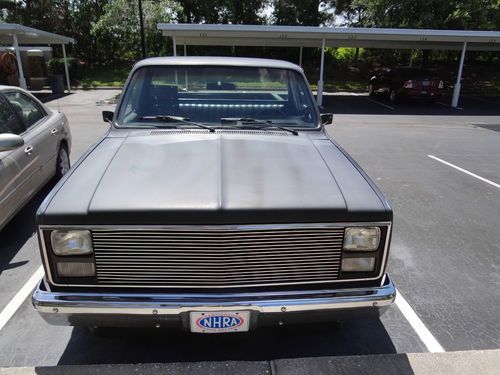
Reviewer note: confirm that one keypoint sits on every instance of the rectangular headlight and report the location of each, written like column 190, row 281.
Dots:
column 361, row 238
column 358, row 264
column 71, row 242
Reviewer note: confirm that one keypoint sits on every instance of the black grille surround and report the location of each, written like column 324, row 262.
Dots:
column 217, row 258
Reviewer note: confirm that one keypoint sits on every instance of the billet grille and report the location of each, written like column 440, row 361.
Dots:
column 217, row 258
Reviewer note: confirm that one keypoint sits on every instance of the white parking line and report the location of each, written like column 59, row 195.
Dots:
column 465, row 171
column 382, row 104
column 20, row 297
column 418, row 325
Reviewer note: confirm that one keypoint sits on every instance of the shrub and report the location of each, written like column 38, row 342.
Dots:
column 56, row 66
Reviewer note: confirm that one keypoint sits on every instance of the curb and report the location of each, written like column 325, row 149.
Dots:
column 484, row 362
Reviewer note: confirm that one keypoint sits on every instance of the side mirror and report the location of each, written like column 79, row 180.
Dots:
column 107, row 116
column 327, row 118
column 10, row 142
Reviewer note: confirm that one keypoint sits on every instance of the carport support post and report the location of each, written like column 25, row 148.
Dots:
column 456, row 89
column 300, row 56
column 66, row 67
column 174, row 42
column 185, row 72
column 22, row 80
column 319, row 95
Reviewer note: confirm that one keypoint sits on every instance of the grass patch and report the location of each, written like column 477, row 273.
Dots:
column 350, row 86
column 104, row 76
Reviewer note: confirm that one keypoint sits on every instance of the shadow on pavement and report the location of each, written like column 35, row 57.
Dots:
column 19, row 230
column 129, row 345
column 46, row 97
column 380, row 105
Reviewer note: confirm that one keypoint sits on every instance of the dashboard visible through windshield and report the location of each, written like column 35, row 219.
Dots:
column 215, row 94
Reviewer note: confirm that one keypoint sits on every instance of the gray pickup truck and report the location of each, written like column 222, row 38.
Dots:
column 216, row 203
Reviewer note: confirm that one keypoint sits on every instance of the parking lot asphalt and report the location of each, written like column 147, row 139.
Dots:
column 362, row 104
column 445, row 254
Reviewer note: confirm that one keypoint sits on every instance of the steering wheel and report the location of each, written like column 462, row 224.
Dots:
column 9, row 63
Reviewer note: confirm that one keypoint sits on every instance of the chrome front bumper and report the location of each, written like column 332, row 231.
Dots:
column 160, row 310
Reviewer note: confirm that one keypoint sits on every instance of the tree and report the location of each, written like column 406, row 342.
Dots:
column 84, row 14
column 429, row 14
column 301, row 12
column 49, row 15
column 5, row 6
column 117, row 31
column 223, row 11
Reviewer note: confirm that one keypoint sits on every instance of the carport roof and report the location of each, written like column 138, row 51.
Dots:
column 29, row 35
column 312, row 36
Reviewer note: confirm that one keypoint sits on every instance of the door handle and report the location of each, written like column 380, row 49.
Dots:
column 54, row 131
column 28, row 150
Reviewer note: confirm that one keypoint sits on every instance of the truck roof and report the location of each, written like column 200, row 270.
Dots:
column 219, row 61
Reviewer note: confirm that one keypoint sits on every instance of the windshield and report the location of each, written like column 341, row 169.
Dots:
column 213, row 94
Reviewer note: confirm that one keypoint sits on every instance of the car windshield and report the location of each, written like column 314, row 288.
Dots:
column 218, row 96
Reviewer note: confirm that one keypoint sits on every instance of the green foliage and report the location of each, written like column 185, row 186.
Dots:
column 56, row 66
column 300, row 12
column 110, row 76
column 83, row 16
column 430, row 14
column 50, row 15
column 117, row 31
column 223, row 11
column 5, row 6
column 345, row 53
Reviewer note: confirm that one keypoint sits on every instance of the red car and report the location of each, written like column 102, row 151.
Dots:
column 409, row 83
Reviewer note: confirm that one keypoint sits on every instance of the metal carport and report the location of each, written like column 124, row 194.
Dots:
column 321, row 37
column 14, row 35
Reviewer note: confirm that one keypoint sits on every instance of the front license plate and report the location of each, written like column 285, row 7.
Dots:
column 219, row 321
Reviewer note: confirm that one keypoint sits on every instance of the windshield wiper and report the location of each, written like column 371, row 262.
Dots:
column 184, row 120
column 265, row 124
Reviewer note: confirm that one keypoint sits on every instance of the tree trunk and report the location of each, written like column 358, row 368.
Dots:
column 425, row 57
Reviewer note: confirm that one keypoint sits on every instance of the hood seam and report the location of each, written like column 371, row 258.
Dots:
column 104, row 173
column 331, row 172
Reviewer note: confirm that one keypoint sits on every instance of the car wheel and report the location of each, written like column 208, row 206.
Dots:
column 393, row 97
column 62, row 164
column 371, row 90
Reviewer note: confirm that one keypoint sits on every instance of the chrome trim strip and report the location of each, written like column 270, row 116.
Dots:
column 48, row 271
column 54, row 303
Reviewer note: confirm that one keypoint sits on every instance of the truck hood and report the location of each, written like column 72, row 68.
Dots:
column 191, row 177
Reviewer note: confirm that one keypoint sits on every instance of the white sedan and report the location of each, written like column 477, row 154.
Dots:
column 34, row 148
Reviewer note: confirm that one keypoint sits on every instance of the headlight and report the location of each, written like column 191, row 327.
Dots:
column 361, row 238
column 71, row 242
